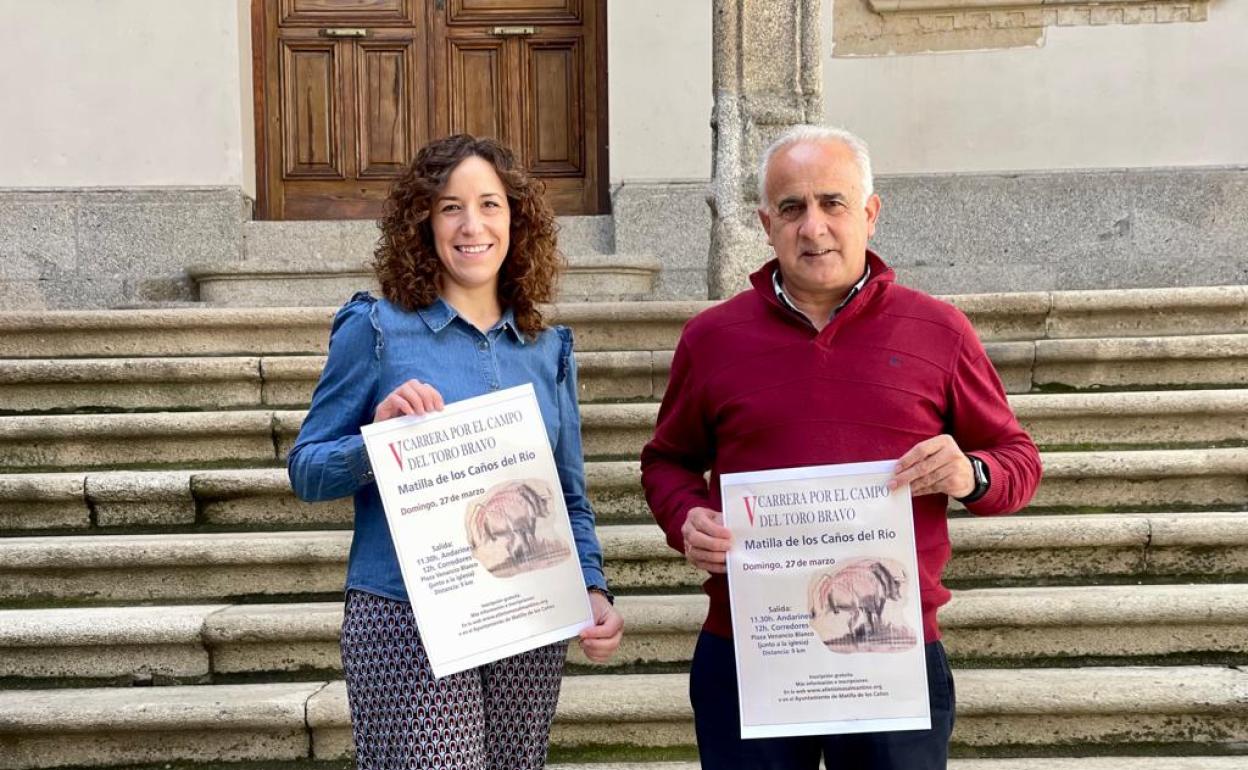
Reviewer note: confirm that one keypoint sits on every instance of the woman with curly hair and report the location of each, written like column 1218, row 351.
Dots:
column 467, row 255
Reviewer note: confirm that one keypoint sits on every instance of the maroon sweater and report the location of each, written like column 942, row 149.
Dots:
column 754, row 387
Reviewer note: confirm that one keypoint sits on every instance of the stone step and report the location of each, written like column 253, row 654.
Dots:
column 177, row 384
column 1102, row 709
column 126, row 644
column 1134, row 419
column 1120, row 419
column 313, row 241
column 1169, row 479
column 37, row 571
column 1148, row 480
column 606, row 326
column 999, row 626
column 290, row 331
column 1102, row 763
column 151, row 439
column 234, row 382
column 1031, row 763
column 281, row 283
column 261, row 437
column 609, row 277
column 323, row 262
column 1026, row 625
column 996, row 708
column 154, row 384
column 1030, row 550
column 285, row 283
column 1141, row 362
column 121, row 726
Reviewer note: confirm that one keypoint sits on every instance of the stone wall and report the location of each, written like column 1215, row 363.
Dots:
column 672, row 222
column 890, row 27
column 91, row 248
column 959, row 233
column 1073, row 230
column 942, row 232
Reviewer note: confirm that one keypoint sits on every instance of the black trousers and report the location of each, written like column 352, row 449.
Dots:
column 713, row 692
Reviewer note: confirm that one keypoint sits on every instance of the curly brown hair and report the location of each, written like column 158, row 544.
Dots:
column 406, row 261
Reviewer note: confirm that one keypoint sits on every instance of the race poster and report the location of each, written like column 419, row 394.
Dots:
column 479, row 524
column 823, row 584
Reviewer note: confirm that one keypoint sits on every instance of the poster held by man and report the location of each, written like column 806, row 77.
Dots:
column 823, row 591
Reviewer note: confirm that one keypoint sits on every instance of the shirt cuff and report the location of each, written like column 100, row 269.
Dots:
column 673, row 528
column 594, row 578
column 357, row 461
column 610, row 597
column 993, row 500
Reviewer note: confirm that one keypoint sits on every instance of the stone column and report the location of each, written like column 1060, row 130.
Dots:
column 767, row 77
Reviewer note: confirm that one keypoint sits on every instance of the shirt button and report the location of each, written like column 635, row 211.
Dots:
column 493, row 386
column 483, row 345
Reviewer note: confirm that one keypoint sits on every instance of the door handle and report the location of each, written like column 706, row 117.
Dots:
column 344, row 32
column 513, row 31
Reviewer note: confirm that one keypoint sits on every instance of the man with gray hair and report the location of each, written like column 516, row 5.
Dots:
column 824, row 360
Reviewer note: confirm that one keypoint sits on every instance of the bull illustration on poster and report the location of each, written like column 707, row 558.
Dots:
column 510, row 530
column 856, row 607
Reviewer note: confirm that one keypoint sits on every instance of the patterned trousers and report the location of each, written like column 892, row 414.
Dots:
column 495, row 717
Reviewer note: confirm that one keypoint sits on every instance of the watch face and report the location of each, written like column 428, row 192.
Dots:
column 980, row 470
column 981, row 473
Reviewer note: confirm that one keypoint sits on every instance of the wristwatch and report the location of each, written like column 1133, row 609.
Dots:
column 979, row 469
column 610, row 597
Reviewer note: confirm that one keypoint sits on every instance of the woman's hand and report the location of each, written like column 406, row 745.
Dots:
column 412, row 397
column 600, row 640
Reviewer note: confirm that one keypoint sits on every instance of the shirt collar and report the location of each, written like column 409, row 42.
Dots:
column 438, row 315
column 784, row 298
column 508, row 322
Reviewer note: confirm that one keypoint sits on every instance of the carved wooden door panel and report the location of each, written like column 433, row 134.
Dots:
column 530, row 73
column 348, row 90
column 345, row 104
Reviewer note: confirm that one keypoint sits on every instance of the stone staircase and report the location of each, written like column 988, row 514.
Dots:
column 312, row 263
column 165, row 600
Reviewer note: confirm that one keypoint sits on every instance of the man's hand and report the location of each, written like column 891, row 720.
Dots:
column 707, row 540
column 934, row 466
column 600, row 640
column 412, row 397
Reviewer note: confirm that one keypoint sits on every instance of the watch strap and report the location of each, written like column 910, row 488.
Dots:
column 605, row 592
column 979, row 470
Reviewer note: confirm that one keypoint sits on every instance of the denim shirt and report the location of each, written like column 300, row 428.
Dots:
column 374, row 347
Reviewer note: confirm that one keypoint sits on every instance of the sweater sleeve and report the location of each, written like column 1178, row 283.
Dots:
column 673, row 464
column 983, row 424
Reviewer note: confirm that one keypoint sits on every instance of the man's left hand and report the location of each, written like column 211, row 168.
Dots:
column 934, row 466
column 600, row 640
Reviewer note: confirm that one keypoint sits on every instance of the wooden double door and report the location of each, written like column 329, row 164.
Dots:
column 348, row 90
